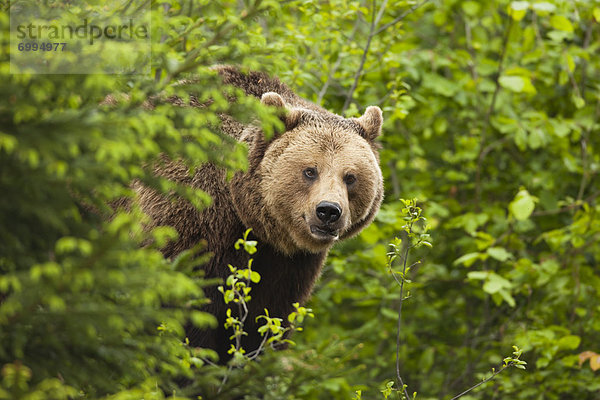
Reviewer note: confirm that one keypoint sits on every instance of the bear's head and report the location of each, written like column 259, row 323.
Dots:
column 315, row 183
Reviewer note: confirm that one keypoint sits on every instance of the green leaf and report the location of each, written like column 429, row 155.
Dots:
column 537, row 138
column 495, row 283
column 507, row 297
column 518, row 9
column 543, row 7
column 560, row 128
column 255, row 277
column 570, row 62
column 499, row 253
column 478, row 275
column 440, row 85
column 517, row 84
column 561, row 23
column 523, row 205
column 569, row 342
column 471, row 8
column 578, row 101
column 468, row 259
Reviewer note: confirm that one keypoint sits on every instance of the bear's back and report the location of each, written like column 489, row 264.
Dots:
column 258, row 83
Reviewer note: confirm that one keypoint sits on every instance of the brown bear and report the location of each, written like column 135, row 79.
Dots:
column 305, row 188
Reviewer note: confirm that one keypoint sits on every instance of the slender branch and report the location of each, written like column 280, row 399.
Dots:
column 500, row 70
column 221, row 31
column 406, row 249
column 243, row 314
column 323, row 90
column 401, row 17
column 333, row 70
column 566, row 208
column 394, row 179
column 489, row 113
column 584, row 154
column 158, row 73
column 255, row 353
column 584, row 166
column 471, row 51
column 482, row 382
column 373, row 31
column 493, row 145
column 586, row 43
column 374, row 21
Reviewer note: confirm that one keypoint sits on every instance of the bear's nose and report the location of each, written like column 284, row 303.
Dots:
column 328, row 212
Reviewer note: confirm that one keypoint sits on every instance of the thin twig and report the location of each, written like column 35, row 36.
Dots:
column 221, row 31
column 584, row 154
column 243, row 313
column 586, row 43
column 489, row 114
column 566, row 208
column 481, row 383
column 394, row 179
column 401, row 17
column 333, row 70
column 374, row 21
column 158, row 73
column 500, row 70
column 407, row 248
column 373, row 31
column 471, row 51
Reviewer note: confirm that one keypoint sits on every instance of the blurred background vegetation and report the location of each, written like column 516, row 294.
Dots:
column 491, row 120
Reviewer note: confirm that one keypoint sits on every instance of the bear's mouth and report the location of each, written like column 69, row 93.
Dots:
column 324, row 232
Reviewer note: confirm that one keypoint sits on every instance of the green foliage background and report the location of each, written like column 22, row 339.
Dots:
column 491, row 121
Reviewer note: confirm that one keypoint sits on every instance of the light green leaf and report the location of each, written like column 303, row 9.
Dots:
column 518, row 9
column 569, row 342
column 561, row 23
column 578, row 101
column 499, row 253
column 560, row 127
column 523, row 205
column 506, row 296
column 255, row 277
column 468, row 259
column 537, row 138
column 7, row 142
column 440, row 85
column 495, row 283
column 517, row 84
column 513, row 83
column 570, row 62
column 471, row 8
column 478, row 275
column 543, row 7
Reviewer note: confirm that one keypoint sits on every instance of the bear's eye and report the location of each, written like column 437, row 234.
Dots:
column 310, row 173
column 349, row 179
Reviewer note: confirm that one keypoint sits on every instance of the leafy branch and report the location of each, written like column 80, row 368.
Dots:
column 414, row 234
column 374, row 31
column 486, row 149
column 400, row 248
column 237, row 290
column 506, row 363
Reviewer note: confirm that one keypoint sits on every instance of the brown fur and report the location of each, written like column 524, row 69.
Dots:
column 276, row 200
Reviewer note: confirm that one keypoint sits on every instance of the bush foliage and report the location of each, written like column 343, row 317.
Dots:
column 491, row 121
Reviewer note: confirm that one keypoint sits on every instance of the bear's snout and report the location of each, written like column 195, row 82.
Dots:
column 328, row 212
column 327, row 228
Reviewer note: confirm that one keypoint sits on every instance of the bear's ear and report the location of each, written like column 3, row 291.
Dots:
column 371, row 121
column 272, row 99
column 290, row 117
